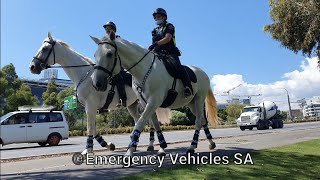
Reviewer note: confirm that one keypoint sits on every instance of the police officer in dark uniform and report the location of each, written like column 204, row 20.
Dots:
column 118, row 80
column 163, row 43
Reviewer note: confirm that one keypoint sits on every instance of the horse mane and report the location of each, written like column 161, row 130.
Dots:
column 124, row 42
column 82, row 56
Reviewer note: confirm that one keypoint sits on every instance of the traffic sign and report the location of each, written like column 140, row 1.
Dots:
column 70, row 102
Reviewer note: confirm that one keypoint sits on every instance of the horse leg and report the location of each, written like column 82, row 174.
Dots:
column 151, row 139
column 134, row 112
column 196, row 107
column 212, row 144
column 91, row 130
column 162, row 141
column 147, row 113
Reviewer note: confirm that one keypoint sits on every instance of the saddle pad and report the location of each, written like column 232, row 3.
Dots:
column 172, row 70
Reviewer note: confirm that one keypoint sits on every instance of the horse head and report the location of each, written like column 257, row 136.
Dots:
column 44, row 57
column 107, row 63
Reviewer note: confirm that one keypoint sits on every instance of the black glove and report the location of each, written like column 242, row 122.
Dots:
column 153, row 46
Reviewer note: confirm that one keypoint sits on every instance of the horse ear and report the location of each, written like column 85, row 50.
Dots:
column 96, row 40
column 50, row 37
column 112, row 36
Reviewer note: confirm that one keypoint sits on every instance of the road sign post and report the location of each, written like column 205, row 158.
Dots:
column 70, row 102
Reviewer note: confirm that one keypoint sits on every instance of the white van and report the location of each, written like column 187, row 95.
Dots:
column 34, row 126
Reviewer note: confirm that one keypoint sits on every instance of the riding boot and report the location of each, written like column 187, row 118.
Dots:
column 183, row 76
column 186, row 82
column 122, row 93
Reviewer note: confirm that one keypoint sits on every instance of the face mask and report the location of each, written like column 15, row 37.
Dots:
column 159, row 22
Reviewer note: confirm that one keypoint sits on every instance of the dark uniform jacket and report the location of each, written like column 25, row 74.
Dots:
column 159, row 33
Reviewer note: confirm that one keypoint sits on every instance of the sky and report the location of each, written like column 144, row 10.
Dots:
column 224, row 38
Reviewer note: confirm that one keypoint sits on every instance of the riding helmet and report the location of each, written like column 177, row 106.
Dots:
column 110, row 23
column 160, row 11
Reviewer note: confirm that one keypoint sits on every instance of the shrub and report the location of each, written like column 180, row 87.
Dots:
column 179, row 118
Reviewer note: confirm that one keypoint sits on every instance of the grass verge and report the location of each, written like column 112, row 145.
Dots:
column 297, row 161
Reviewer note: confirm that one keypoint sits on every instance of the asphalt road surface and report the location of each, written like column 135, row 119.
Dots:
column 54, row 166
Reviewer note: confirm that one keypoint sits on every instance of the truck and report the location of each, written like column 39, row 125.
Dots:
column 262, row 116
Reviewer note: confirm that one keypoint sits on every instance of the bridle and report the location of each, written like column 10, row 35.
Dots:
column 44, row 62
column 97, row 67
column 110, row 73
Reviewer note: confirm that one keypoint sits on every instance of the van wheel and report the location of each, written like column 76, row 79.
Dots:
column 54, row 140
column 251, row 128
column 242, row 128
column 42, row 144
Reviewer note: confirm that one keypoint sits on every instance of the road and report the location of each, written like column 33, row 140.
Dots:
column 229, row 141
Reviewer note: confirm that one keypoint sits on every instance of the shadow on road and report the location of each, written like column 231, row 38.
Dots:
column 282, row 163
column 113, row 172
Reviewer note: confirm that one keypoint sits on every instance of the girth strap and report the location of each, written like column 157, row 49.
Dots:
column 109, row 98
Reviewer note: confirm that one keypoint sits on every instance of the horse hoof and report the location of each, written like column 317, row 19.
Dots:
column 112, row 147
column 84, row 152
column 190, row 151
column 150, row 148
column 212, row 146
column 87, row 151
column 161, row 154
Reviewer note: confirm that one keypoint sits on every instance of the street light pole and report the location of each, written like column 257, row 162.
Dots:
column 290, row 113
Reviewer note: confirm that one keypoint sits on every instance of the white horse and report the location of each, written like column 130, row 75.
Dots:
column 152, row 83
column 78, row 68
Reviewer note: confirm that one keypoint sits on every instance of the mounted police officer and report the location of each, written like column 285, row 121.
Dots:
column 118, row 80
column 163, row 43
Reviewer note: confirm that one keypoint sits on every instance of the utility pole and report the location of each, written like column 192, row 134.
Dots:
column 290, row 113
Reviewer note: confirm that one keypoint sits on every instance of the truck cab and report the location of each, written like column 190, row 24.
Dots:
column 249, row 117
column 261, row 116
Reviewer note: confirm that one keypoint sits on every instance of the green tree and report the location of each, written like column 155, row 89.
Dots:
column 186, row 110
column 50, row 95
column 296, row 24
column 179, row 118
column 233, row 111
column 72, row 115
column 222, row 113
column 11, row 76
column 115, row 118
column 21, row 97
column 9, row 84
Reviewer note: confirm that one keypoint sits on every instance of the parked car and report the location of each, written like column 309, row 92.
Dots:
column 34, row 126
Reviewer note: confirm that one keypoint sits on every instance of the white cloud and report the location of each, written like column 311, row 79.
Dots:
column 303, row 83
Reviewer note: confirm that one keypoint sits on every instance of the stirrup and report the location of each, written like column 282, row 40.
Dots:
column 187, row 92
column 121, row 103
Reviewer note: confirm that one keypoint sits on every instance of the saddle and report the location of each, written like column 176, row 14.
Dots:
column 173, row 70
column 171, row 67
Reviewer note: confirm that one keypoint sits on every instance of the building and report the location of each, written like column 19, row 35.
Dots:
column 311, row 108
column 296, row 113
column 38, row 87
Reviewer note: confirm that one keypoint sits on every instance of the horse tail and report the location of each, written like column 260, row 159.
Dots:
column 211, row 109
column 163, row 115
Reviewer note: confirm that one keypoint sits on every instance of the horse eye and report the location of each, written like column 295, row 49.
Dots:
column 109, row 54
column 45, row 48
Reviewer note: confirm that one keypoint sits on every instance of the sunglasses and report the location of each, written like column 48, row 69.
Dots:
column 157, row 16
